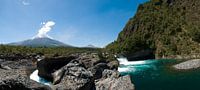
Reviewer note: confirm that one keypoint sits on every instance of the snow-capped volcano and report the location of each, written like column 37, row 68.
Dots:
column 42, row 39
column 41, row 42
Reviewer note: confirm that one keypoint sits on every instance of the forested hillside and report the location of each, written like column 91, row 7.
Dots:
column 170, row 28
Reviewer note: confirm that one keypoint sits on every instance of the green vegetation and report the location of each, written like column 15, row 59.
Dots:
column 169, row 27
column 26, row 52
column 47, row 51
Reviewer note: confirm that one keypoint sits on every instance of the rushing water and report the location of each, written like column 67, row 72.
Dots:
column 34, row 76
column 159, row 75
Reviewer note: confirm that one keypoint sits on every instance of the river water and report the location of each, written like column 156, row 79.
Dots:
column 159, row 75
column 34, row 76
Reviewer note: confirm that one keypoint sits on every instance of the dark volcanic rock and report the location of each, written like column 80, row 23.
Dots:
column 17, row 80
column 47, row 66
column 75, row 77
column 90, row 60
column 98, row 69
column 58, row 75
column 113, row 65
column 112, row 81
column 110, row 74
column 26, row 64
column 13, row 56
column 5, row 67
column 18, row 63
column 80, row 71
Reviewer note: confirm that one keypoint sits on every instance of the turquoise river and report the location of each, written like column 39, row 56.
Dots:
column 159, row 75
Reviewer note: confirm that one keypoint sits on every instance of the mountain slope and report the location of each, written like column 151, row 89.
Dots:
column 90, row 46
column 41, row 42
column 168, row 28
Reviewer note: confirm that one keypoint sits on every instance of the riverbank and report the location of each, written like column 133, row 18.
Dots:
column 189, row 64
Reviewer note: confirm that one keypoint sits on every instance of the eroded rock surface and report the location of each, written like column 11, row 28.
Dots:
column 83, row 72
column 112, row 81
column 47, row 66
column 190, row 64
column 18, row 80
column 75, row 77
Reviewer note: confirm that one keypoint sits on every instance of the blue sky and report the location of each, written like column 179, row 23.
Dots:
column 77, row 22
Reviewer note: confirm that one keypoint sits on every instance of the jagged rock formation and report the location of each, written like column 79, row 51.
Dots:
column 82, row 71
column 170, row 28
column 49, row 65
column 75, row 77
column 111, row 80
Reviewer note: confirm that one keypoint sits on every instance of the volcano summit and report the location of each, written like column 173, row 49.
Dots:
column 42, row 39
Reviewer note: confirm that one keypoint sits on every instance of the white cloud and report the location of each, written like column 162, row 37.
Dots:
column 25, row 2
column 45, row 29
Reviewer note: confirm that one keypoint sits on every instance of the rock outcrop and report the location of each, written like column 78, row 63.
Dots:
column 47, row 66
column 87, row 72
column 98, row 69
column 16, row 79
column 15, row 70
column 190, row 64
column 111, row 80
column 75, row 77
column 90, row 60
column 113, row 65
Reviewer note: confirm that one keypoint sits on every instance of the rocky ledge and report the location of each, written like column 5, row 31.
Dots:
column 17, row 79
column 15, row 71
column 83, row 71
column 190, row 64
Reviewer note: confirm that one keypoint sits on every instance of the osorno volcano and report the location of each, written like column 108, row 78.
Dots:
column 42, row 39
column 40, row 42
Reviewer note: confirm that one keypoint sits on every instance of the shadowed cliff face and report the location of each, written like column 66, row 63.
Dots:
column 168, row 27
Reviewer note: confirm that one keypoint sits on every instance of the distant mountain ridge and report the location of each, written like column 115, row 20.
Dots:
column 41, row 42
column 90, row 46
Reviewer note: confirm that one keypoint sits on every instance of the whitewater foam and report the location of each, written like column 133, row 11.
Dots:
column 124, row 61
column 34, row 76
column 133, row 66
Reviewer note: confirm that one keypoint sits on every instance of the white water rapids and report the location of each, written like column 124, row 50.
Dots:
column 126, row 65
column 34, row 76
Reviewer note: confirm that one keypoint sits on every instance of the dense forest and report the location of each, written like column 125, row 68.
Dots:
column 168, row 27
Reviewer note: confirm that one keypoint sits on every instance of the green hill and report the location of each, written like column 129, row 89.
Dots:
column 168, row 28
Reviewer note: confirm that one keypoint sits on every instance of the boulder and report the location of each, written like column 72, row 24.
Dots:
column 5, row 67
column 58, row 75
column 121, row 83
column 47, row 66
column 16, row 80
column 89, row 60
column 75, row 77
column 110, row 74
column 22, row 63
column 98, row 69
column 187, row 65
column 113, row 65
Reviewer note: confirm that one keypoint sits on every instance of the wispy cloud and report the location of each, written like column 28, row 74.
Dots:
column 25, row 2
